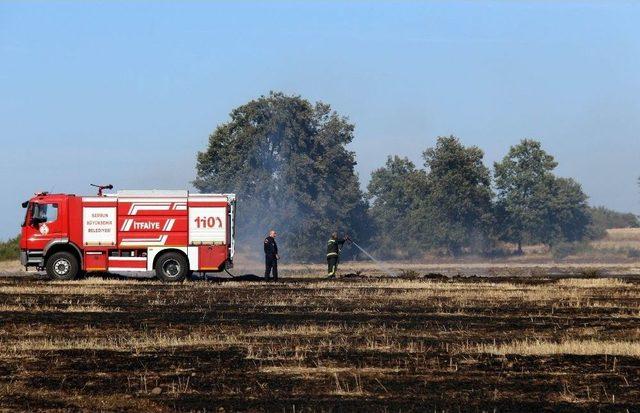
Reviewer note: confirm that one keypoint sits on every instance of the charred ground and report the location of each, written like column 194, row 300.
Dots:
column 367, row 344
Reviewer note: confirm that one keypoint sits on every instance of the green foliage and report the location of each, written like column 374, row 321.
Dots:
column 448, row 206
column 603, row 218
column 565, row 213
column 458, row 211
column 522, row 179
column 533, row 204
column 9, row 250
column 394, row 192
column 286, row 159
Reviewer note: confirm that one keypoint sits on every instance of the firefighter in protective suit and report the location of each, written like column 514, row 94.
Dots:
column 333, row 253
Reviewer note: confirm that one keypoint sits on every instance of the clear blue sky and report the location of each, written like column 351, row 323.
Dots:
column 127, row 93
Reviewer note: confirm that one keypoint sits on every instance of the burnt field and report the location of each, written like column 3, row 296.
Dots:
column 364, row 344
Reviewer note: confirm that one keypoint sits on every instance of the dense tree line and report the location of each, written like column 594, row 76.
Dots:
column 446, row 205
column 451, row 204
column 603, row 219
column 287, row 160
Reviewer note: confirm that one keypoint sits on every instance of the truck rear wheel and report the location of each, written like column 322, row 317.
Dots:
column 172, row 267
column 62, row 266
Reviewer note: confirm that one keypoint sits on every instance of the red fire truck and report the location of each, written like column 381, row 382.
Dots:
column 170, row 232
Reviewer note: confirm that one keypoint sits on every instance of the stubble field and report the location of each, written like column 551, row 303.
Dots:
column 495, row 343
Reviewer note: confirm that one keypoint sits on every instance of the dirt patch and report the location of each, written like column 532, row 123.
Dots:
column 12, row 266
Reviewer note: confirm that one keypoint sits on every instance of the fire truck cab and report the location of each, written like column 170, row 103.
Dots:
column 172, row 233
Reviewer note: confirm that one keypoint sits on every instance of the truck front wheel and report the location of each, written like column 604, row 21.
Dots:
column 62, row 266
column 172, row 267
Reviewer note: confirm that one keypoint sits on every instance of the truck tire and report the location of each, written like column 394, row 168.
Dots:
column 62, row 266
column 172, row 267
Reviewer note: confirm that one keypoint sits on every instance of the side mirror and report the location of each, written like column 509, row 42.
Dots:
column 37, row 220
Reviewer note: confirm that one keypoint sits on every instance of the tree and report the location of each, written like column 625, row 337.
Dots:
column 565, row 213
column 532, row 203
column 286, row 159
column 522, row 180
column 394, row 191
column 458, row 208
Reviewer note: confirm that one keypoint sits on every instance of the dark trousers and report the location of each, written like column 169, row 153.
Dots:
column 332, row 264
column 270, row 265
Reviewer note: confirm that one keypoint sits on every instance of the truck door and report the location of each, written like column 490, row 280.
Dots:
column 44, row 222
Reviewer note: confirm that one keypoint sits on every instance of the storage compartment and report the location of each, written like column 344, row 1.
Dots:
column 127, row 262
column 208, row 225
column 95, row 260
column 211, row 257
